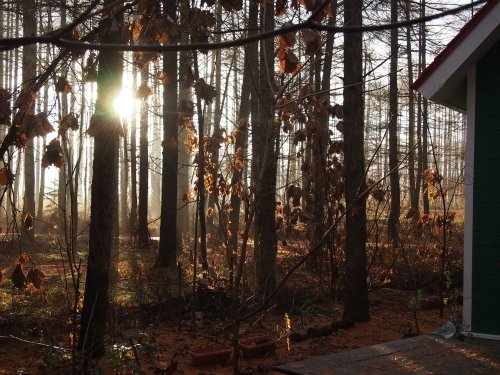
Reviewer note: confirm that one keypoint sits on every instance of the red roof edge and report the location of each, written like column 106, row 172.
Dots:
column 455, row 42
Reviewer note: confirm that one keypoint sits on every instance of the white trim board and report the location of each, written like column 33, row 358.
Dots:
column 469, row 196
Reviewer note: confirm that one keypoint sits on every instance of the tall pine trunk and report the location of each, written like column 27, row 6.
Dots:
column 411, row 122
column 184, row 219
column 124, row 182
column 201, row 174
column 214, row 194
column 320, row 143
column 133, row 163
column 167, row 256
column 247, row 90
column 393, row 221
column 142, row 225
column 265, row 160
column 356, row 289
column 106, row 129
column 29, row 72
column 425, row 114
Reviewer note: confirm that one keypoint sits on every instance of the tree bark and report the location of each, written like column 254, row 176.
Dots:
column 184, row 170
column 320, row 145
column 247, row 90
column 133, row 164
column 107, row 128
column 167, row 256
column 411, row 122
column 393, row 221
column 356, row 289
column 29, row 72
column 425, row 122
column 214, row 194
column 142, row 227
column 201, row 175
column 265, row 160
column 124, row 183
column 116, row 204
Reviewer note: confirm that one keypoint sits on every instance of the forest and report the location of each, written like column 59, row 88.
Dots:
column 205, row 171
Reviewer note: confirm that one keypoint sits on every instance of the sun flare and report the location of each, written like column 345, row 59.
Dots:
column 124, row 103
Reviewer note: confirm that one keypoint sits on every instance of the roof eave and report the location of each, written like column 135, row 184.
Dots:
column 448, row 72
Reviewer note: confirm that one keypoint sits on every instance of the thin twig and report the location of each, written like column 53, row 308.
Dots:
column 12, row 43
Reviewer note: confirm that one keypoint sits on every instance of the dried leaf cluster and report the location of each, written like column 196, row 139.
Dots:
column 53, row 154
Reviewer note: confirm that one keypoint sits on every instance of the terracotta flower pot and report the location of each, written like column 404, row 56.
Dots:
column 257, row 346
column 210, row 356
column 429, row 303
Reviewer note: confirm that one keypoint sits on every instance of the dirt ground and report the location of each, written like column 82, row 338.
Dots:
column 391, row 318
column 165, row 337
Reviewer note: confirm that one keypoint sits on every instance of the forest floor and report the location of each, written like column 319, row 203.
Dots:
column 163, row 334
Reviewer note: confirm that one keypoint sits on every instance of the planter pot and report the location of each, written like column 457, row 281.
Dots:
column 429, row 303
column 210, row 356
column 257, row 346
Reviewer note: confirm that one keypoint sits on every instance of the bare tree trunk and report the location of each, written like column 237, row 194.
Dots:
column 247, row 90
column 116, row 204
column 167, row 256
column 142, row 228
column 213, row 196
column 156, row 153
column 265, row 159
column 411, row 121
column 29, row 72
column 133, row 164
column 393, row 221
column 41, row 187
column 106, row 126
column 356, row 289
column 425, row 155
column 425, row 114
column 201, row 175
column 320, row 143
column 62, row 193
column 183, row 178
column 124, row 183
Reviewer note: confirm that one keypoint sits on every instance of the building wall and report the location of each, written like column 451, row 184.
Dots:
column 486, row 213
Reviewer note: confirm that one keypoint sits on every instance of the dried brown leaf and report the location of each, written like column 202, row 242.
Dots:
column 25, row 99
column 4, row 107
column 41, row 125
column 36, row 277
column 28, row 222
column 18, row 277
column 289, row 62
column 163, row 77
column 288, row 39
column 69, row 121
column 144, row 91
column 205, row 91
column 281, row 6
column 6, row 177
column 312, row 39
column 53, row 155
column 63, row 86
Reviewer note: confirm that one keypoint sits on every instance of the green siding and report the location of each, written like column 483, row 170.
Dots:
column 486, row 212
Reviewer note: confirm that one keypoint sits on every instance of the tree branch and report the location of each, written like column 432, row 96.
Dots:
column 12, row 43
